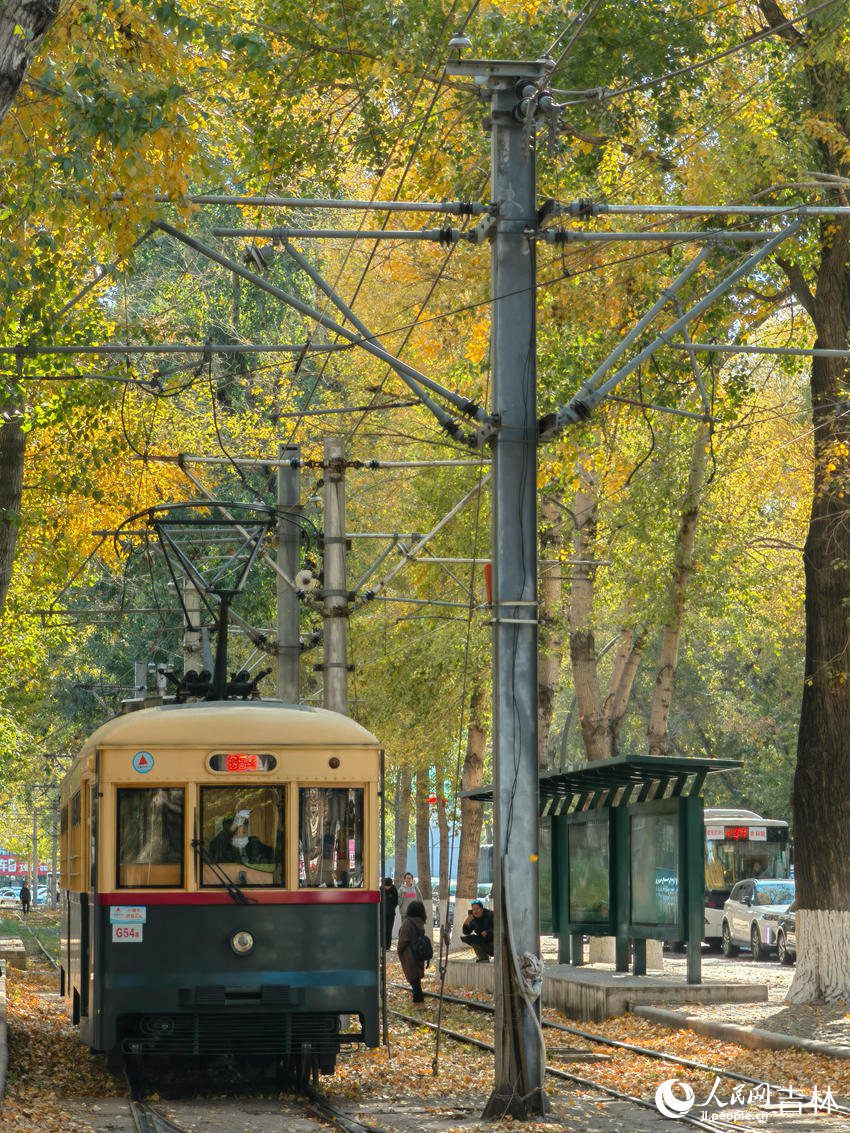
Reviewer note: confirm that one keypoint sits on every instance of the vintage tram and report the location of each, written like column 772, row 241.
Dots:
column 220, row 884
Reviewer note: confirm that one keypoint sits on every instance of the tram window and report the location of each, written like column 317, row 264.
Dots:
column 242, row 830
column 150, row 837
column 76, row 808
column 330, row 838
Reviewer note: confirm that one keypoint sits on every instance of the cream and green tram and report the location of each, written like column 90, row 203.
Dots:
column 220, row 890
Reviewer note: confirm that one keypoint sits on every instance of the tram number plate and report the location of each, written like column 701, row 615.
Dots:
column 127, row 934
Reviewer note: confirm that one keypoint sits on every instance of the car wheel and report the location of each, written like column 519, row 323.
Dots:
column 755, row 944
column 782, row 953
column 726, row 946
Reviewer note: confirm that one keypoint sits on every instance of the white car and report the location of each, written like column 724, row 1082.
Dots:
column 752, row 913
column 10, row 898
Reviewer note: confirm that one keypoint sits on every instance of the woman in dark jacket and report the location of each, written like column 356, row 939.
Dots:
column 389, row 904
column 412, row 927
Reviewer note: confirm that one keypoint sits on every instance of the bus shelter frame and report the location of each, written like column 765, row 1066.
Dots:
column 616, row 791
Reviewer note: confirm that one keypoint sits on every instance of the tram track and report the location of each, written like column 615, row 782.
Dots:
column 620, row 1044
column 590, row 1083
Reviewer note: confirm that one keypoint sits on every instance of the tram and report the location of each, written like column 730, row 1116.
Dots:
column 220, row 890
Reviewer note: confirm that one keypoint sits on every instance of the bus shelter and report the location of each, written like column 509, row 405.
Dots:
column 628, row 854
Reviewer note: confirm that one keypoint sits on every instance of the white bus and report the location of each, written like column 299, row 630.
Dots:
column 739, row 844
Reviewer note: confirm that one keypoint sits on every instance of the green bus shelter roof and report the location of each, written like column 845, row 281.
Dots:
column 620, row 781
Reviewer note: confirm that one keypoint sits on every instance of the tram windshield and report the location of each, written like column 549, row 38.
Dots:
column 242, row 832
column 330, row 838
column 150, row 837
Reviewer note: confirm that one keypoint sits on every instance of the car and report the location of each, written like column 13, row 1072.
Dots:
column 786, row 936
column 10, row 898
column 752, row 913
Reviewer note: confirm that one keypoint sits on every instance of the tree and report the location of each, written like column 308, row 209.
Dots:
column 23, row 25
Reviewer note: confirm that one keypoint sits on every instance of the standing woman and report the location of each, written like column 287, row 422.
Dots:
column 408, row 892
column 412, row 927
column 389, row 904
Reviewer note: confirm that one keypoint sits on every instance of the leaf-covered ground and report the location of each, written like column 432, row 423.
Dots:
column 48, row 1065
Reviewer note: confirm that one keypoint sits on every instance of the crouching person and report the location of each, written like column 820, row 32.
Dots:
column 477, row 932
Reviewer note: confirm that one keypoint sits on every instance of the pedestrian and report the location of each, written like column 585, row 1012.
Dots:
column 389, row 904
column 408, row 892
column 477, row 932
column 412, row 928
column 25, row 897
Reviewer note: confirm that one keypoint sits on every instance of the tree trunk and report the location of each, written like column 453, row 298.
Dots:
column 659, row 716
column 445, row 864
column 821, row 796
column 23, row 24
column 402, row 820
column 471, row 813
column 423, row 848
column 549, row 616
column 582, row 642
column 12, row 445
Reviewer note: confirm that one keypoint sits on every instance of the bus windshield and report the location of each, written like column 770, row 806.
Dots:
column 728, row 862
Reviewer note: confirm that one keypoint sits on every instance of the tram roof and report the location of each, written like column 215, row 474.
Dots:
column 272, row 723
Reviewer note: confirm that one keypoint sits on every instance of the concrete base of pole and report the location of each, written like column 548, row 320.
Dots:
column 506, row 1103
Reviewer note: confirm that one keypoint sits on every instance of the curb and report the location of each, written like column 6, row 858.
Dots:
column 4, row 1048
column 733, row 1032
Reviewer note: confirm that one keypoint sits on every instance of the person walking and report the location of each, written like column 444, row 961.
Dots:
column 477, row 932
column 412, row 928
column 408, row 892
column 389, row 904
column 25, row 898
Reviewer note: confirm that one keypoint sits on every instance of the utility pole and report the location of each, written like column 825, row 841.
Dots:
column 520, row 1059
column 335, row 605
column 288, row 559
column 192, row 642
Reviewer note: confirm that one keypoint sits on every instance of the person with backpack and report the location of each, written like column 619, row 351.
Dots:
column 414, row 948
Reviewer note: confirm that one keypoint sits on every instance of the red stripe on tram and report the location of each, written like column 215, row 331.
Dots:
column 254, row 897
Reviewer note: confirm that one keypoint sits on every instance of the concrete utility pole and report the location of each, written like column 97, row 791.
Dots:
column 520, row 1059
column 335, row 608
column 288, row 559
column 192, row 642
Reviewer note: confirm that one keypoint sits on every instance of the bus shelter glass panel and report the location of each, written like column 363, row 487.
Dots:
column 242, row 832
column 330, row 838
column 654, row 869
column 150, row 837
column 589, row 881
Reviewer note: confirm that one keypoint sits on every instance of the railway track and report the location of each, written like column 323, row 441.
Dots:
column 717, row 1123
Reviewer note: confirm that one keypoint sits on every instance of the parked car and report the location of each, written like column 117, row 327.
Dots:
column 10, row 898
column 786, row 936
column 752, row 913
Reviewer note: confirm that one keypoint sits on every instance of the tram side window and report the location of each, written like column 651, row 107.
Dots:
column 330, row 838
column 150, row 837
column 242, row 830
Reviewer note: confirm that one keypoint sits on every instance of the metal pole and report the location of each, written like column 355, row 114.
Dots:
column 288, row 555
column 34, row 878
column 192, row 649
column 518, row 1088
column 335, row 608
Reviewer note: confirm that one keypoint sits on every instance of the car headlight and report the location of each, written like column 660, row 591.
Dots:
column 770, row 917
column 242, row 942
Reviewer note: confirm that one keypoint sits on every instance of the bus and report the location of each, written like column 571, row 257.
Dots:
column 739, row 844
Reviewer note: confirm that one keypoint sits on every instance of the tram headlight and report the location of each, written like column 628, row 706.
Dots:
column 242, row 942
